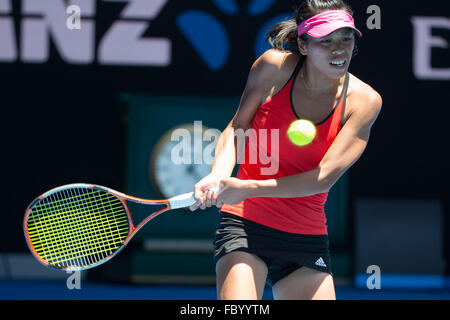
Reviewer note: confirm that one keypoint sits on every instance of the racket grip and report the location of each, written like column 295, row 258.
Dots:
column 186, row 199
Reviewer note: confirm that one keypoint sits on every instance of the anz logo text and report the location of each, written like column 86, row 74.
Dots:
column 48, row 21
column 123, row 44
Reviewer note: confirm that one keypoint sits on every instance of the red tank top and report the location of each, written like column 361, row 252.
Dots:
column 301, row 215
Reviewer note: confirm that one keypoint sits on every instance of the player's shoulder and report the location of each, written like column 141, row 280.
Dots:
column 274, row 65
column 277, row 56
column 282, row 60
column 364, row 95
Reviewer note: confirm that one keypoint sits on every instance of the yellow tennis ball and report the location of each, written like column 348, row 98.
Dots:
column 301, row 132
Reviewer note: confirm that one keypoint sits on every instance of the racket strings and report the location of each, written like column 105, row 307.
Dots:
column 80, row 253
column 77, row 252
column 47, row 247
column 77, row 227
column 77, row 233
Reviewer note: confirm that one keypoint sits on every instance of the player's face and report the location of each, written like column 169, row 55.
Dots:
column 331, row 54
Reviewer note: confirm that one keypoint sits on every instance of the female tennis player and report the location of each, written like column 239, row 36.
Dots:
column 273, row 227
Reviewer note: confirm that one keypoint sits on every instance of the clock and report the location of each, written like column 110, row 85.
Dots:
column 175, row 166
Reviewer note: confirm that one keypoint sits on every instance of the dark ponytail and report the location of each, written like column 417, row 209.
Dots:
column 283, row 35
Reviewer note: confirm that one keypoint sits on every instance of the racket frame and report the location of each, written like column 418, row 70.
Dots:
column 123, row 199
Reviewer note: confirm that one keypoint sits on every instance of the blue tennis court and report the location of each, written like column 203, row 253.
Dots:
column 57, row 290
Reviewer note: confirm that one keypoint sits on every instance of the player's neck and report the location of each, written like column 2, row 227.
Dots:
column 315, row 83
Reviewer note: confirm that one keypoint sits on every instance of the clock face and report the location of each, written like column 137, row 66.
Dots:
column 172, row 167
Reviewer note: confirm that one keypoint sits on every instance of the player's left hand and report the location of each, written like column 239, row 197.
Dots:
column 232, row 191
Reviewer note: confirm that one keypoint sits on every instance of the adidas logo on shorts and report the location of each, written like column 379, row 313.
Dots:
column 319, row 262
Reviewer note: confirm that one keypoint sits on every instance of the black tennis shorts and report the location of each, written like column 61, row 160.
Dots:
column 283, row 252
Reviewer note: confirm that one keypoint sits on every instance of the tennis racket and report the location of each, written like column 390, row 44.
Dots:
column 81, row 226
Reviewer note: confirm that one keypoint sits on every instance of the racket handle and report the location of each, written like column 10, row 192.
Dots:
column 186, row 199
